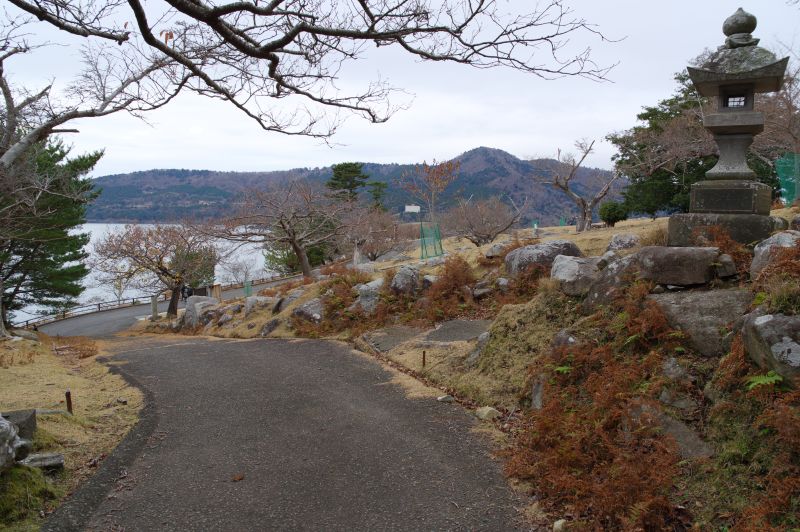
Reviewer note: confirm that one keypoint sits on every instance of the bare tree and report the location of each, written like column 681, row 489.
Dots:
column 480, row 221
column 296, row 214
column 370, row 231
column 251, row 53
column 566, row 169
column 238, row 270
column 426, row 182
column 160, row 257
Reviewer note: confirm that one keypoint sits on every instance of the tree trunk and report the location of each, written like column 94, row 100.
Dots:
column 172, row 310
column 3, row 332
column 302, row 256
column 584, row 221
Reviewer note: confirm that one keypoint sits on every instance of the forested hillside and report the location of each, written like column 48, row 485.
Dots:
column 165, row 195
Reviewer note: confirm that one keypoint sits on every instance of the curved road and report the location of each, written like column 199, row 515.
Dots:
column 286, row 435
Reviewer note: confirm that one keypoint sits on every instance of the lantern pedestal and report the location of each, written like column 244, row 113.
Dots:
column 688, row 228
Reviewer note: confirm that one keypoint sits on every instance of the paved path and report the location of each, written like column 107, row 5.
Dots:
column 321, row 437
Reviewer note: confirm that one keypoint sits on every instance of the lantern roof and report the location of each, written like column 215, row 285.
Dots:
column 740, row 61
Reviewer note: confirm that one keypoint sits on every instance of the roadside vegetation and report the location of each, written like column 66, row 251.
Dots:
column 35, row 375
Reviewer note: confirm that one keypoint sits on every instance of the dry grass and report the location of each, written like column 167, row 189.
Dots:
column 101, row 419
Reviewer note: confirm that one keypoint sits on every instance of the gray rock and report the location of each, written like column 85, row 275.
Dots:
column 560, row 525
column 537, row 392
column 405, row 280
column 487, row 413
column 445, row 399
column 658, row 289
column 609, row 282
column 563, row 338
column 45, row 461
column 312, row 310
column 368, row 296
column 773, row 342
column 282, row 303
column 779, row 223
column 8, row 444
column 22, row 448
column 623, row 241
column 495, row 251
column 767, row 249
column 690, row 445
column 726, row 267
column 607, row 258
column 680, row 401
column 480, row 293
column 574, row 274
column 194, row 306
column 270, row 326
column 540, row 255
column 795, row 223
column 225, row 318
column 704, row 315
column 24, row 420
column 257, row 302
column 672, row 369
column 366, row 268
column 502, row 284
column 428, row 281
column 681, row 266
column 477, row 351
column 26, row 334
column 435, row 261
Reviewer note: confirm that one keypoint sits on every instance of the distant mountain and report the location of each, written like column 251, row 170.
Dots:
column 169, row 195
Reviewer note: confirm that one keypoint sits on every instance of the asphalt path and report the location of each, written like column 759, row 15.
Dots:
column 285, row 435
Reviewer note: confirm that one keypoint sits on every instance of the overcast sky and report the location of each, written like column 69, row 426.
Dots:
column 454, row 108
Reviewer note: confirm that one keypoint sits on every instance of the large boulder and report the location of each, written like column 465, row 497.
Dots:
column 766, row 250
column 283, row 302
column 575, row 274
column 542, row 255
column 609, row 282
column 495, row 251
column 405, row 280
column 194, row 307
column 256, row 302
column 623, row 241
column 773, row 342
column 368, row 296
column 312, row 310
column 704, row 315
column 679, row 266
column 9, row 444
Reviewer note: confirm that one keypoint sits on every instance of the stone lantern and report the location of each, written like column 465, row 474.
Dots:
column 730, row 196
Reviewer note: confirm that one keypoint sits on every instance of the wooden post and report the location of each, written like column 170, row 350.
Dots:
column 68, row 396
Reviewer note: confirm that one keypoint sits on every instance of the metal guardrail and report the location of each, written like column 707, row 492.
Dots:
column 128, row 302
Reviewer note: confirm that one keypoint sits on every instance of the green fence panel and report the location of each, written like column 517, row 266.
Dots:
column 248, row 288
column 430, row 241
column 788, row 169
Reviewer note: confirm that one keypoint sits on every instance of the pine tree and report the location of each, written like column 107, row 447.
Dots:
column 347, row 179
column 42, row 263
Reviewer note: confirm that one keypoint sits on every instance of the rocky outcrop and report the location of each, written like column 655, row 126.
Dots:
column 773, row 342
column 767, row 249
column 270, row 326
column 542, row 255
column 669, row 266
column 704, row 315
column 368, row 296
column 495, row 251
column 8, row 439
column 283, row 302
column 405, row 281
column 312, row 310
column 680, row 266
column 194, row 307
column 623, row 241
column 256, row 302
column 574, row 274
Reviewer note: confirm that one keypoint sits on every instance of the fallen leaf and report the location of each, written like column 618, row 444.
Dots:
column 238, row 477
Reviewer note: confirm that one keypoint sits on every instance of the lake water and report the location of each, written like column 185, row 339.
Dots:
column 96, row 291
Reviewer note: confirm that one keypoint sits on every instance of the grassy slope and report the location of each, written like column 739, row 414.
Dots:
column 38, row 378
